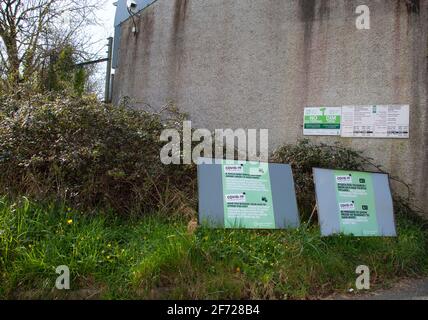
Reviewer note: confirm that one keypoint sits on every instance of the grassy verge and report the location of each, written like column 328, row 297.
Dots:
column 113, row 258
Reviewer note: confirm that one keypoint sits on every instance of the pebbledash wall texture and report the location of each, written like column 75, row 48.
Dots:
column 258, row 63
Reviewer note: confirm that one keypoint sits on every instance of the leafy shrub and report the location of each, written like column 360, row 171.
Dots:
column 94, row 155
column 305, row 155
column 88, row 153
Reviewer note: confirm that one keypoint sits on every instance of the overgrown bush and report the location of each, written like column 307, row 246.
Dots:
column 305, row 155
column 94, row 155
column 90, row 154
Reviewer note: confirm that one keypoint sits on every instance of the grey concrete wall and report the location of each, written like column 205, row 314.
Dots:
column 258, row 63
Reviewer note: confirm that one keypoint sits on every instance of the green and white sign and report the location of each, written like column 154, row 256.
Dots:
column 354, row 203
column 247, row 195
column 322, row 121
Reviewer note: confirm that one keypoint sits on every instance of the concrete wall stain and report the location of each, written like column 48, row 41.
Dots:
column 307, row 16
column 177, row 46
column 413, row 6
column 419, row 89
column 397, row 49
column 146, row 28
column 145, row 43
column 322, row 60
column 424, row 17
column 324, row 10
column 180, row 9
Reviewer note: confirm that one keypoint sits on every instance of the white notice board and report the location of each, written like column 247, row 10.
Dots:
column 376, row 121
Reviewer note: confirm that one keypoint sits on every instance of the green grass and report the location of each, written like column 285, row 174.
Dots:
column 152, row 257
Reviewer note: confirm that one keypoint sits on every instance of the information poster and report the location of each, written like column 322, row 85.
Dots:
column 247, row 195
column 322, row 121
column 356, row 203
column 379, row 121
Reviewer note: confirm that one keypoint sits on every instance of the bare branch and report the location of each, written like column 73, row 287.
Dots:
column 29, row 29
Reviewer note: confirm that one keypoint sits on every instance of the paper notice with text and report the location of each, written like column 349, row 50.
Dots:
column 377, row 121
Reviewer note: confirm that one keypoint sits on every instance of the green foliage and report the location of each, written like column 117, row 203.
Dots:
column 62, row 73
column 80, row 78
column 95, row 155
column 154, row 257
column 87, row 153
column 305, row 155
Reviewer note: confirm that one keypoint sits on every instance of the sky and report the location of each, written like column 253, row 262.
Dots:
column 99, row 34
column 105, row 27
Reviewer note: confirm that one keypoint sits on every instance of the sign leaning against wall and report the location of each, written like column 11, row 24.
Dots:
column 246, row 195
column 354, row 203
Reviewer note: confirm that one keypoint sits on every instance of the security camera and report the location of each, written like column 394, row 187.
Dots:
column 132, row 6
column 132, row 10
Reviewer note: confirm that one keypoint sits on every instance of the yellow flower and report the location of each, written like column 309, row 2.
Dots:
column 70, row 221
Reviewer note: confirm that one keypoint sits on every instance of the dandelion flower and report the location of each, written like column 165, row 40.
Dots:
column 70, row 221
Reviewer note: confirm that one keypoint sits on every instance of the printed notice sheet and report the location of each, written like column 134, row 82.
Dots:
column 381, row 121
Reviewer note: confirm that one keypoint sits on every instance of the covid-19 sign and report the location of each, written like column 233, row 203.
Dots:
column 354, row 203
column 248, row 195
